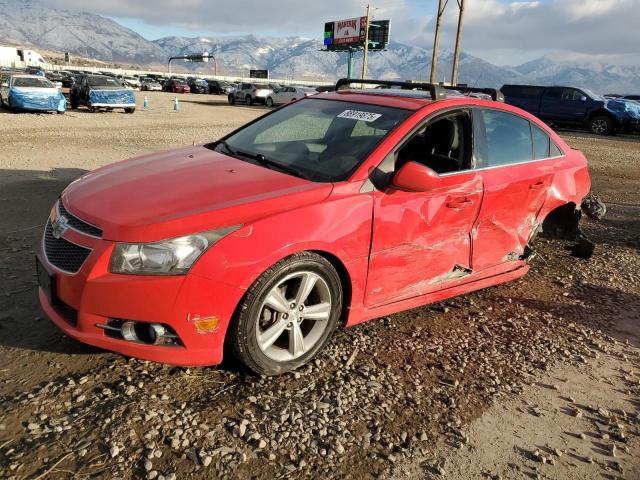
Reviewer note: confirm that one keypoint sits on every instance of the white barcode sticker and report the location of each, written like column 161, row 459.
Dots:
column 359, row 115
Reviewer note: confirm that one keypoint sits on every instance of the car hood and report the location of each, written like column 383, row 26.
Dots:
column 178, row 192
column 623, row 107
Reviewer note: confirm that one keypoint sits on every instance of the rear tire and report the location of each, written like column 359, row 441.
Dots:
column 601, row 125
column 129, row 110
column 269, row 102
column 248, row 100
column 232, row 100
column 270, row 333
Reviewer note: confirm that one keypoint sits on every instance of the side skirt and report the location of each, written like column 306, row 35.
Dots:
column 517, row 271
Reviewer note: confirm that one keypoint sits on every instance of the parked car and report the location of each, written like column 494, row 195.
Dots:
column 325, row 213
column 218, row 87
column 198, row 85
column 250, row 93
column 574, row 106
column 31, row 93
column 150, row 84
column 35, row 71
column 283, row 95
column 66, row 78
column 101, row 91
column 176, row 85
column 129, row 81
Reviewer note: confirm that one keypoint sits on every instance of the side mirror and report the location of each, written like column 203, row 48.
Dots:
column 415, row 177
column 583, row 98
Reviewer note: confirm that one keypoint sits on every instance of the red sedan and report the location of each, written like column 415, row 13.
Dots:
column 333, row 210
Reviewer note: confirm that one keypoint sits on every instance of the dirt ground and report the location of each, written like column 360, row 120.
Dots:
column 538, row 378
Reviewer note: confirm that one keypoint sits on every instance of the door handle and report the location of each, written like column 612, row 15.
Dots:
column 459, row 203
column 537, row 185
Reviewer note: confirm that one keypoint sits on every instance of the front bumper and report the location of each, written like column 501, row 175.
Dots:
column 92, row 296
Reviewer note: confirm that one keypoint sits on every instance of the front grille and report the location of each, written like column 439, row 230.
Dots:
column 65, row 255
column 77, row 224
column 67, row 312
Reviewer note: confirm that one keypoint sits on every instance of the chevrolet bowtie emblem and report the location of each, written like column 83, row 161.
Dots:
column 59, row 226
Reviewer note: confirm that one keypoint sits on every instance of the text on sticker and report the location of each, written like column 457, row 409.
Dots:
column 359, row 115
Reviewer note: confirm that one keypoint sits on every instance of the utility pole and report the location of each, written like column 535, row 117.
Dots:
column 350, row 63
column 436, row 41
column 456, row 52
column 366, row 46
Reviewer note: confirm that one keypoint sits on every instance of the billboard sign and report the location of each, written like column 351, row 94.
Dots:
column 259, row 74
column 350, row 33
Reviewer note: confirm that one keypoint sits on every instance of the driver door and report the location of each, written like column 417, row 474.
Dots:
column 422, row 240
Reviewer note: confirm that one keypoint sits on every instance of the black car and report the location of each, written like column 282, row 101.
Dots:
column 218, row 87
column 574, row 106
column 198, row 85
column 101, row 91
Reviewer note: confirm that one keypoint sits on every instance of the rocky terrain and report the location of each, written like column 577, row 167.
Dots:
column 538, row 378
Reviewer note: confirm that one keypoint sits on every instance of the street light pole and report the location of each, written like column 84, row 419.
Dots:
column 456, row 53
column 366, row 46
column 436, row 41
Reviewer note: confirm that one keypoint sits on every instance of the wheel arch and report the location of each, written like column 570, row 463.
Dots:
column 345, row 281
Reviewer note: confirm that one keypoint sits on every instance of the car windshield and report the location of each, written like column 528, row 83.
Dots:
column 178, row 80
column 103, row 81
column 202, row 82
column 317, row 139
column 32, row 82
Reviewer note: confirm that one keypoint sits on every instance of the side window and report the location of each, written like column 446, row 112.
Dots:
column 554, row 93
column 541, row 143
column 443, row 144
column 555, row 150
column 508, row 138
column 572, row 95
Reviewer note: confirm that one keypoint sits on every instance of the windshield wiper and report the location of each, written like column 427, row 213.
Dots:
column 228, row 147
column 267, row 162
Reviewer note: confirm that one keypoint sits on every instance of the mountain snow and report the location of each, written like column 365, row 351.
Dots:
column 25, row 22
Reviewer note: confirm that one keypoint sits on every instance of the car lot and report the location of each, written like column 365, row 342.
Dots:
column 384, row 394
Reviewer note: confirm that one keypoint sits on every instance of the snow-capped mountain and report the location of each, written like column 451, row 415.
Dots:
column 26, row 22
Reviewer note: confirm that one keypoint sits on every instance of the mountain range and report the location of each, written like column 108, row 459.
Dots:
column 27, row 22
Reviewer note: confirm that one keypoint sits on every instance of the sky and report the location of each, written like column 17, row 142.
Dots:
column 503, row 32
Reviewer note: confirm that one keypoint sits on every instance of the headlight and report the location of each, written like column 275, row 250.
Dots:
column 168, row 257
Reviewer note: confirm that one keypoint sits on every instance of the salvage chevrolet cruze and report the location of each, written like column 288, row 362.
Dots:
column 330, row 211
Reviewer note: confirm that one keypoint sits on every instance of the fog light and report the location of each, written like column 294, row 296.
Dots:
column 128, row 331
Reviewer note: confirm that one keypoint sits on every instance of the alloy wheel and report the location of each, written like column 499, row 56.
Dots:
column 294, row 316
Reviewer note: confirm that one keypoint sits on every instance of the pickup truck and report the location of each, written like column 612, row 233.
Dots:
column 575, row 106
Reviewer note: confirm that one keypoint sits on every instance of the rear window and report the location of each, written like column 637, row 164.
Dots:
column 522, row 91
column 103, row 81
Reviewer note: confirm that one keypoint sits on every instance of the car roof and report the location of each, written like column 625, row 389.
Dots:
column 389, row 97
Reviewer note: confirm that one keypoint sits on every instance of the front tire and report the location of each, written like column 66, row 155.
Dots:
column 287, row 315
column 249, row 100
column 601, row 125
column 232, row 100
column 129, row 110
column 269, row 102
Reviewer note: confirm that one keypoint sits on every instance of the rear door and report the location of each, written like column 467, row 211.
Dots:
column 516, row 180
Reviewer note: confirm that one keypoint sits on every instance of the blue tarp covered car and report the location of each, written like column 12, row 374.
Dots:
column 102, row 91
column 30, row 92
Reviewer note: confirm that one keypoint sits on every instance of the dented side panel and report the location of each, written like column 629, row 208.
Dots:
column 421, row 239
column 513, row 198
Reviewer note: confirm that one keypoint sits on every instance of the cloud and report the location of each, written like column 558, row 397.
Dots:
column 594, row 27
column 284, row 17
column 506, row 32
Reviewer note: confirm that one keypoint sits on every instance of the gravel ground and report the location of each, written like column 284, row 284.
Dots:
column 410, row 395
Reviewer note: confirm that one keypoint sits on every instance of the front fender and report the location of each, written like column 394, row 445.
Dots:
column 339, row 226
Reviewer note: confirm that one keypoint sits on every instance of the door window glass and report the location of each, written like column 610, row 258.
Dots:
column 541, row 143
column 508, row 138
